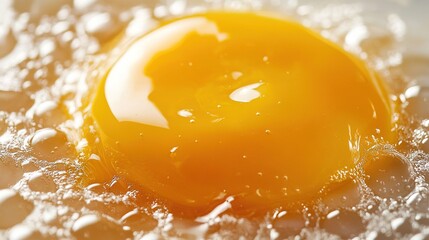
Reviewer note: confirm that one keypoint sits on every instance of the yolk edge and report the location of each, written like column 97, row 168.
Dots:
column 236, row 104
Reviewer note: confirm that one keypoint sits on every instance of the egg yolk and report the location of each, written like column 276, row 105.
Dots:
column 216, row 105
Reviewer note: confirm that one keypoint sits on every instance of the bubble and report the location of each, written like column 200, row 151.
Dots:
column 46, row 47
column 10, row 173
column 40, row 182
column 7, row 41
column 101, row 25
column 418, row 102
column 113, row 209
column 39, row 8
column 24, row 232
column 13, row 208
column 420, row 236
column 389, row 176
column 138, row 221
column 82, row 5
column 230, row 227
column 402, row 225
column 345, row 194
column 50, row 144
column 14, row 101
column 289, row 224
column 94, row 226
column 36, row 54
column 49, row 114
column 344, row 223
column 418, row 201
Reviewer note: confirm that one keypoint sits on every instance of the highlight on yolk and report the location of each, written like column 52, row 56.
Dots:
column 236, row 104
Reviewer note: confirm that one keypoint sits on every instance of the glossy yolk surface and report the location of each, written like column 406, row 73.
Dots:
column 236, row 104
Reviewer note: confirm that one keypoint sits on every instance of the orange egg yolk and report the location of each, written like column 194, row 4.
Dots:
column 236, row 104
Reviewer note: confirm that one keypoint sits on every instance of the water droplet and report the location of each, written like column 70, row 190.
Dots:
column 46, row 47
column 60, row 27
column 344, row 194
column 289, row 224
column 138, row 221
column 24, row 232
column 50, row 144
column 14, row 101
column 95, row 227
column 420, row 236
column 101, row 25
column 49, row 114
column 141, row 22
column 10, row 173
column 177, row 7
column 13, row 208
column 7, row 41
column 402, row 225
column 344, row 223
column 84, row 5
column 160, row 11
column 412, row 91
column 40, row 182
column 39, row 8
column 389, row 176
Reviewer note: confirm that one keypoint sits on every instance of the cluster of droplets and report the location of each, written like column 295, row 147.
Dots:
column 52, row 52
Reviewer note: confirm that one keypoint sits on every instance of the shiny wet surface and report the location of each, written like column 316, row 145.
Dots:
column 46, row 69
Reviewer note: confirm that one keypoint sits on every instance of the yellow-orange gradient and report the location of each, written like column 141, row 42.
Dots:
column 236, row 104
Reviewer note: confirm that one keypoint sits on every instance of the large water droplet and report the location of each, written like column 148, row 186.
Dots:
column 50, row 144
column 24, row 232
column 10, row 173
column 138, row 221
column 101, row 25
column 40, row 182
column 288, row 224
column 389, row 176
column 49, row 114
column 96, row 227
column 344, row 223
column 13, row 208
column 14, row 101
column 7, row 41
column 39, row 8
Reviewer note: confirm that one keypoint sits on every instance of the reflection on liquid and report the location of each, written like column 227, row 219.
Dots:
column 128, row 97
column 246, row 93
column 227, row 104
column 36, row 198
